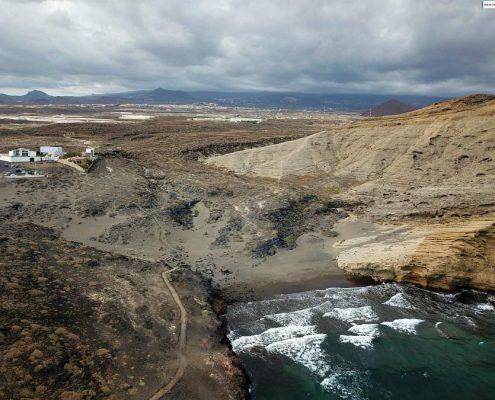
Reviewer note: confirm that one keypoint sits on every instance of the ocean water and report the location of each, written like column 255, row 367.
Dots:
column 387, row 341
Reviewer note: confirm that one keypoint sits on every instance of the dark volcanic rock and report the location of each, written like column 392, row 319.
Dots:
column 295, row 219
column 181, row 213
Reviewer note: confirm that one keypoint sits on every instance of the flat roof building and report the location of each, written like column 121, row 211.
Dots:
column 20, row 155
column 52, row 151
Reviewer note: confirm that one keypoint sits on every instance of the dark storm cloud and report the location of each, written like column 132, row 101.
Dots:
column 393, row 46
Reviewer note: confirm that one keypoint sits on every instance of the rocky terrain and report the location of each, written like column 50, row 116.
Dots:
column 78, row 323
column 234, row 210
column 85, row 311
column 429, row 172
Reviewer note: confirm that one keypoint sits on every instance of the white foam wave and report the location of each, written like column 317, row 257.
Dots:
column 485, row 307
column 468, row 321
column 364, row 342
column 365, row 329
column 299, row 318
column 353, row 314
column 439, row 329
column 399, row 300
column 404, row 325
column 346, row 384
column 305, row 351
column 270, row 336
column 364, row 335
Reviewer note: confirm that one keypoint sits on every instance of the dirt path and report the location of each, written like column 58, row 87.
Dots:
column 183, row 320
column 161, row 236
column 182, row 340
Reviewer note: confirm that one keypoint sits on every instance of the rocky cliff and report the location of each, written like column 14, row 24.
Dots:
column 443, row 256
column 434, row 166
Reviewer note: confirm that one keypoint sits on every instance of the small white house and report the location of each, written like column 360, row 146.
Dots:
column 90, row 152
column 52, row 152
column 20, row 155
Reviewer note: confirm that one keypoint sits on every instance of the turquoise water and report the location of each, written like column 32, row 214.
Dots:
column 378, row 342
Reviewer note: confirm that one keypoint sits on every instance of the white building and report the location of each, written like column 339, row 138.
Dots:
column 52, row 152
column 90, row 152
column 20, row 155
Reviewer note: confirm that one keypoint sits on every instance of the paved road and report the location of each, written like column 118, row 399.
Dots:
column 3, row 168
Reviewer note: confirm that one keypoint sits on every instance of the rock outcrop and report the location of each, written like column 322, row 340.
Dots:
column 460, row 254
column 435, row 166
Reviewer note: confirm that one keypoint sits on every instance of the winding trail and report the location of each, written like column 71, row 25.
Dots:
column 182, row 360
column 182, row 340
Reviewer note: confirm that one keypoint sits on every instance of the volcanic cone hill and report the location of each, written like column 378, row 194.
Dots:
column 390, row 107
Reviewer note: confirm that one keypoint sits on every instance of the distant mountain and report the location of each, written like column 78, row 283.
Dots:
column 293, row 100
column 390, row 107
column 156, row 96
column 32, row 97
column 161, row 95
column 36, row 95
column 273, row 100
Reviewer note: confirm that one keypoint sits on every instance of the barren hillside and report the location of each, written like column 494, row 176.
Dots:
column 420, row 162
column 427, row 176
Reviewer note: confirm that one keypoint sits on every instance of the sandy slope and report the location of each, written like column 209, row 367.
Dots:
column 419, row 142
column 435, row 164
column 297, row 157
column 441, row 152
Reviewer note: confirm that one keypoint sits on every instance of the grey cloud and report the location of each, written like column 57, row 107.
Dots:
column 391, row 46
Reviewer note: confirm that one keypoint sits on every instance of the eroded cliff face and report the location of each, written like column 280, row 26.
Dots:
column 434, row 166
column 459, row 254
column 456, row 256
column 423, row 163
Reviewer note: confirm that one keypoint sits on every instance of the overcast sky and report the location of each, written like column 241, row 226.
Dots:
column 440, row 47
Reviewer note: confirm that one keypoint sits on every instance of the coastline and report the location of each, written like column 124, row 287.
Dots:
column 325, row 337
column 218, row 304
column 240, row 293
column 222, row 298
column 233, row 239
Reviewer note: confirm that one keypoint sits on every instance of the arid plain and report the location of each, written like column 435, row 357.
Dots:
column 234, row 210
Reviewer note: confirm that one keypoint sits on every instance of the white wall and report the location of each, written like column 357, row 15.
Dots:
column 13, row 159
column 30, row 153
column 55, row 151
